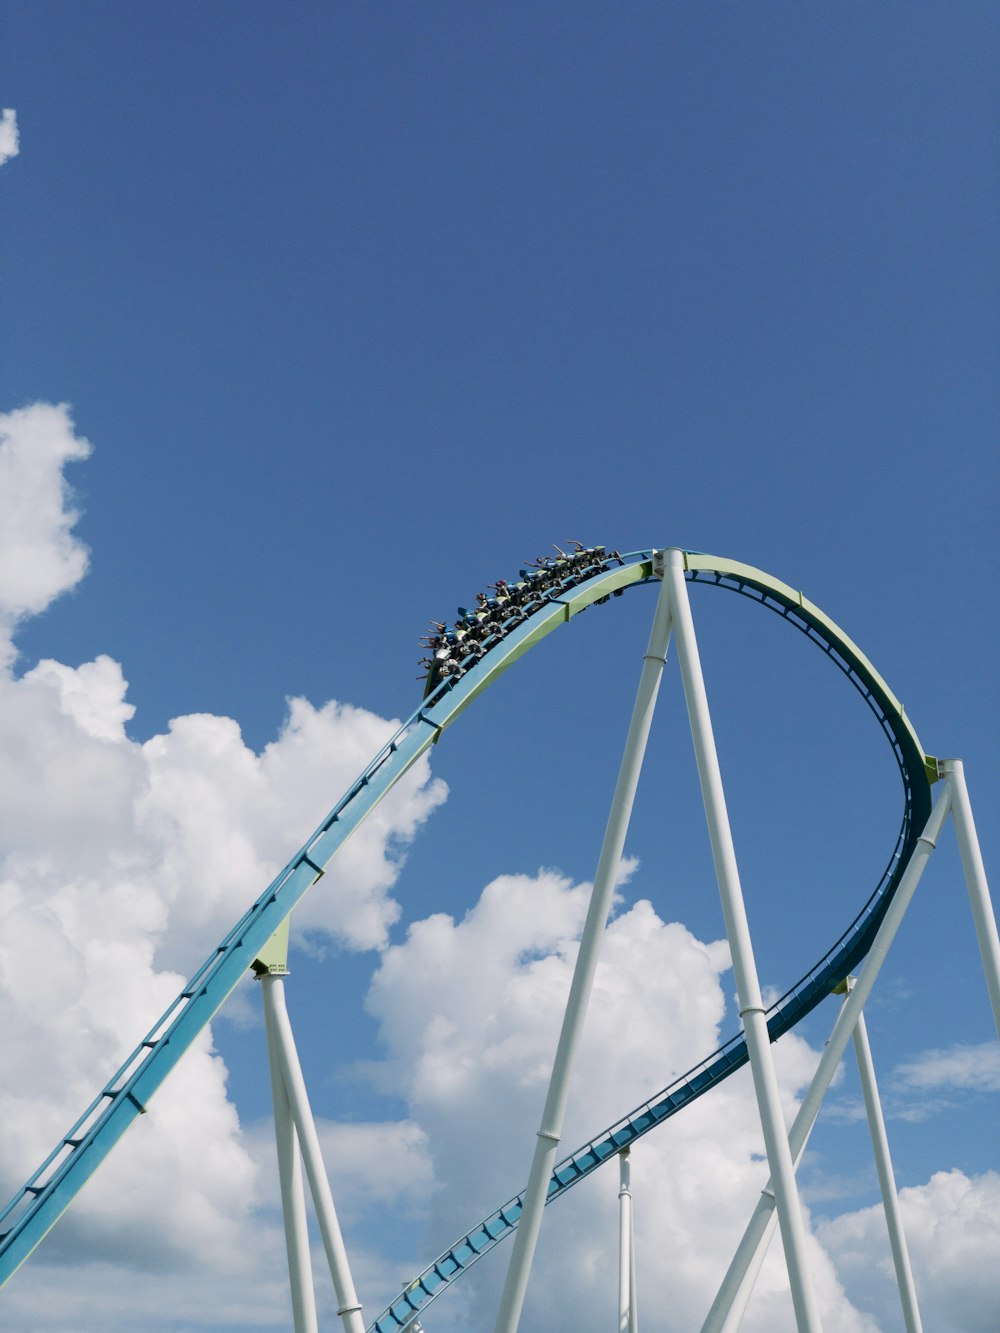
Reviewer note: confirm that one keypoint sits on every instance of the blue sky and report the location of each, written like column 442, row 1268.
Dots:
column 362, row 306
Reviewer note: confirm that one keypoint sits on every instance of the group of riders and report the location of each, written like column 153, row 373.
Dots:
column 453, row 649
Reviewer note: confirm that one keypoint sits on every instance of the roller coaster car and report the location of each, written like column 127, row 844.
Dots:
column 454, row 649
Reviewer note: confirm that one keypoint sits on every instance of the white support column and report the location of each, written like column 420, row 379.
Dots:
column 724, row 1316
column 728, row 1319
column 752, row 1012
column 886, row 1177
column 293, row 1199
column 536, row 1190
column 333, row 1242
column 975, row 878
column 627, row 1317
column 633, row 1304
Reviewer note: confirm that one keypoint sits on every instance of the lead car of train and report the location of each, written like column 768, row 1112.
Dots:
column 452, row 649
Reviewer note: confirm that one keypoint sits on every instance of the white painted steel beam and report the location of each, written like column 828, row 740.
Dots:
column 293, row 1198
column 752, row 1011
column 975, row 878
column 886, row 1176
column 349, row 1307
column 725, row 1314
column 526, row 1237
column 728, row 1320
column 628, row 1321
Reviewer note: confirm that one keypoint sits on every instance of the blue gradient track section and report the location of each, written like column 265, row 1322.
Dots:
column 39, row 1203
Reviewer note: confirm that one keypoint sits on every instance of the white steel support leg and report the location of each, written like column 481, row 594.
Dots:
column 549, row 1134
column 975, row 878
column 886, row 1177
column 793, row 1233
column 293, row 1199
column 729, row 1304
column 627, row 1317
column 728, row 1318
column 333, row 1242
column 633, row 1304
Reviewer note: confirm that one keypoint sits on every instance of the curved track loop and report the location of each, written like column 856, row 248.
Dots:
column 917, row 773
column 40, row 1202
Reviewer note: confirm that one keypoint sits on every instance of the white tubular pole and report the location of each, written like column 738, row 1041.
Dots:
column 723, row 1319
column 333, row 1242
column 732, row 1316
column 975, row 878
column 293, row 1199
column 633, row 1298
column 793, row 1232
column 624, row 1241
column 886, row 1177
column 526, row 1236
column 757, row 1232
column 627, row 1322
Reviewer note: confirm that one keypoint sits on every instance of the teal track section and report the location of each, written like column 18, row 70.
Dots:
column 40, row 1202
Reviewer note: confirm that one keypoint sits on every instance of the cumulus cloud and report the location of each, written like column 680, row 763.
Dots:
column 470, row 1011
column 40, row 558
column 10, row 142
column 222, row 817
column 122, row 863
column 92, row 695
column 952, row 1229
column 384, row 1163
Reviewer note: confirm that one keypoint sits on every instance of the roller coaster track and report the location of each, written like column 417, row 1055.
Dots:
column 39, row 1203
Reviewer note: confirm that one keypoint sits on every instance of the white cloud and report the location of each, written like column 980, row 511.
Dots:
column 45, row 1299
column 123, row 860
column 470, row 1012
column 381, row 1163
column 122, row 863
column 39, row 556
column 93, row 695
column 975, row 1067
column 10, row 143
column 223, row 818
column 952, row 1227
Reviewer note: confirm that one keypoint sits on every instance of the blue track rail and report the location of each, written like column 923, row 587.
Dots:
column 39, row 1203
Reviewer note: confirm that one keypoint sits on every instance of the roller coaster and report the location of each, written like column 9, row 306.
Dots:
column 464, row 659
